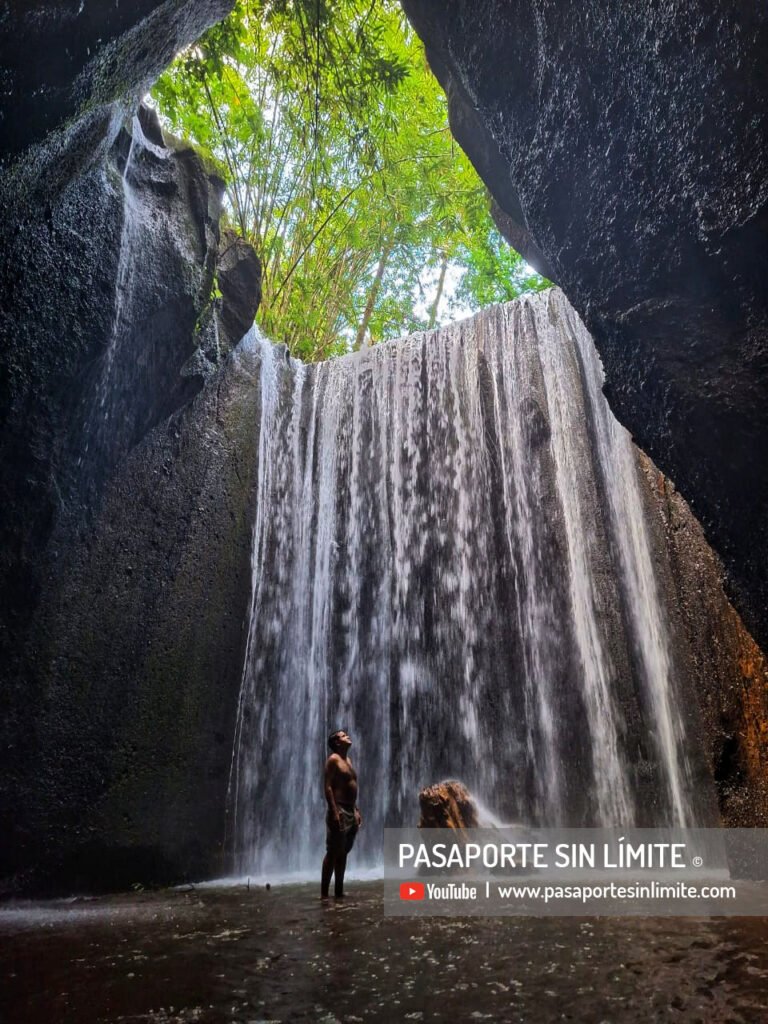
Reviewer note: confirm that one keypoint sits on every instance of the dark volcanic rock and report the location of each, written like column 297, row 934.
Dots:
column 133, row 675
column 99, row 347
column 107, row 258
column 102, row 294
column 72, row 69
column 625, row 147
column 238, row 275
column 729, row 669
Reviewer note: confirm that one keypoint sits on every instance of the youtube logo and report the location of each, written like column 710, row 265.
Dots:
column 412, row 891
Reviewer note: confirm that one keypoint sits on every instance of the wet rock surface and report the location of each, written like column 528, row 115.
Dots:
column 625, row 150
column 238, row 275
column 72, row 66
column 107, row 265
column 447, row 805
column 283, row 955
column 118, row 772
column 729, row 669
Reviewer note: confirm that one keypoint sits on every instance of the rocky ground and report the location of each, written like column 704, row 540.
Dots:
column 254, row 955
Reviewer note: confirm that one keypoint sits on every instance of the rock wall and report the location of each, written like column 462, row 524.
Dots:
column 73, row 74
column 107, row 328
column 100, row 335
column 74, row 68
column 133, row 674
column 730, row 670
column 624, row 147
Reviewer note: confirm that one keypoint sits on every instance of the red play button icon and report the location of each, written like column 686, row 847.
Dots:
column 412, row 891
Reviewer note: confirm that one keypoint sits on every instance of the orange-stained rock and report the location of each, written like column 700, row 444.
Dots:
column 447, row 805
column 732, row 671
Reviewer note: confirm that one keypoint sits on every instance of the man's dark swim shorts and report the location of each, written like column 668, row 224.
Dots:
column 342, row 839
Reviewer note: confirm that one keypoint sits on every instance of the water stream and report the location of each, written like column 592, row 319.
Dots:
column 102, row 407
column 109, row 410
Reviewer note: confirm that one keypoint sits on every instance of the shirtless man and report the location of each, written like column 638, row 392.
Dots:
column 343, row 818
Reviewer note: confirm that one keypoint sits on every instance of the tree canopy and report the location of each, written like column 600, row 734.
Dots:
column 332, row 136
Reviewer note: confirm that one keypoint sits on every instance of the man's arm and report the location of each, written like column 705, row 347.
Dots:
column 358, row 815
column 330, row 771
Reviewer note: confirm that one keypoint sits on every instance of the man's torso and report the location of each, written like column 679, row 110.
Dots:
column 343, row 780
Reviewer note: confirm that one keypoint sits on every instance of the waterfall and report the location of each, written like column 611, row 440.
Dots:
column 106, row 417
column 101, row 409
column 451, row 561
column 616, row 455
column 129, row 255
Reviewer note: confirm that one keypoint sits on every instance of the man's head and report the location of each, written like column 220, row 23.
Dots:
column 339, row 741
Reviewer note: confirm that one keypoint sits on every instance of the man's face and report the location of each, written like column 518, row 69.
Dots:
column 343, row 742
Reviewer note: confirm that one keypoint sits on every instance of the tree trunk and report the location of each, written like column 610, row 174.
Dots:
column 373, row 295
column 440, row 285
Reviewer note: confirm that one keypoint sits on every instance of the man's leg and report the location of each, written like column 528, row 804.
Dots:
column 325, row 880
column 340, row 866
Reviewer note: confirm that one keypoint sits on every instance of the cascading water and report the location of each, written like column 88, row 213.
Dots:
column 451, row 561
column 106, row 418
column 100, row 410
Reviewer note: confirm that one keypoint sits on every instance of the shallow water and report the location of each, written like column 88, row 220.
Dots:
column 283, row 955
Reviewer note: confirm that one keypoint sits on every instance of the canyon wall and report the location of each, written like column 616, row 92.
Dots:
column 729, row 670
column 122, row 740
column 625, row 148
column 108, row 326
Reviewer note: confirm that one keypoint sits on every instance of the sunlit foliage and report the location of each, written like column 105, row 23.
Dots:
column 332, row 136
